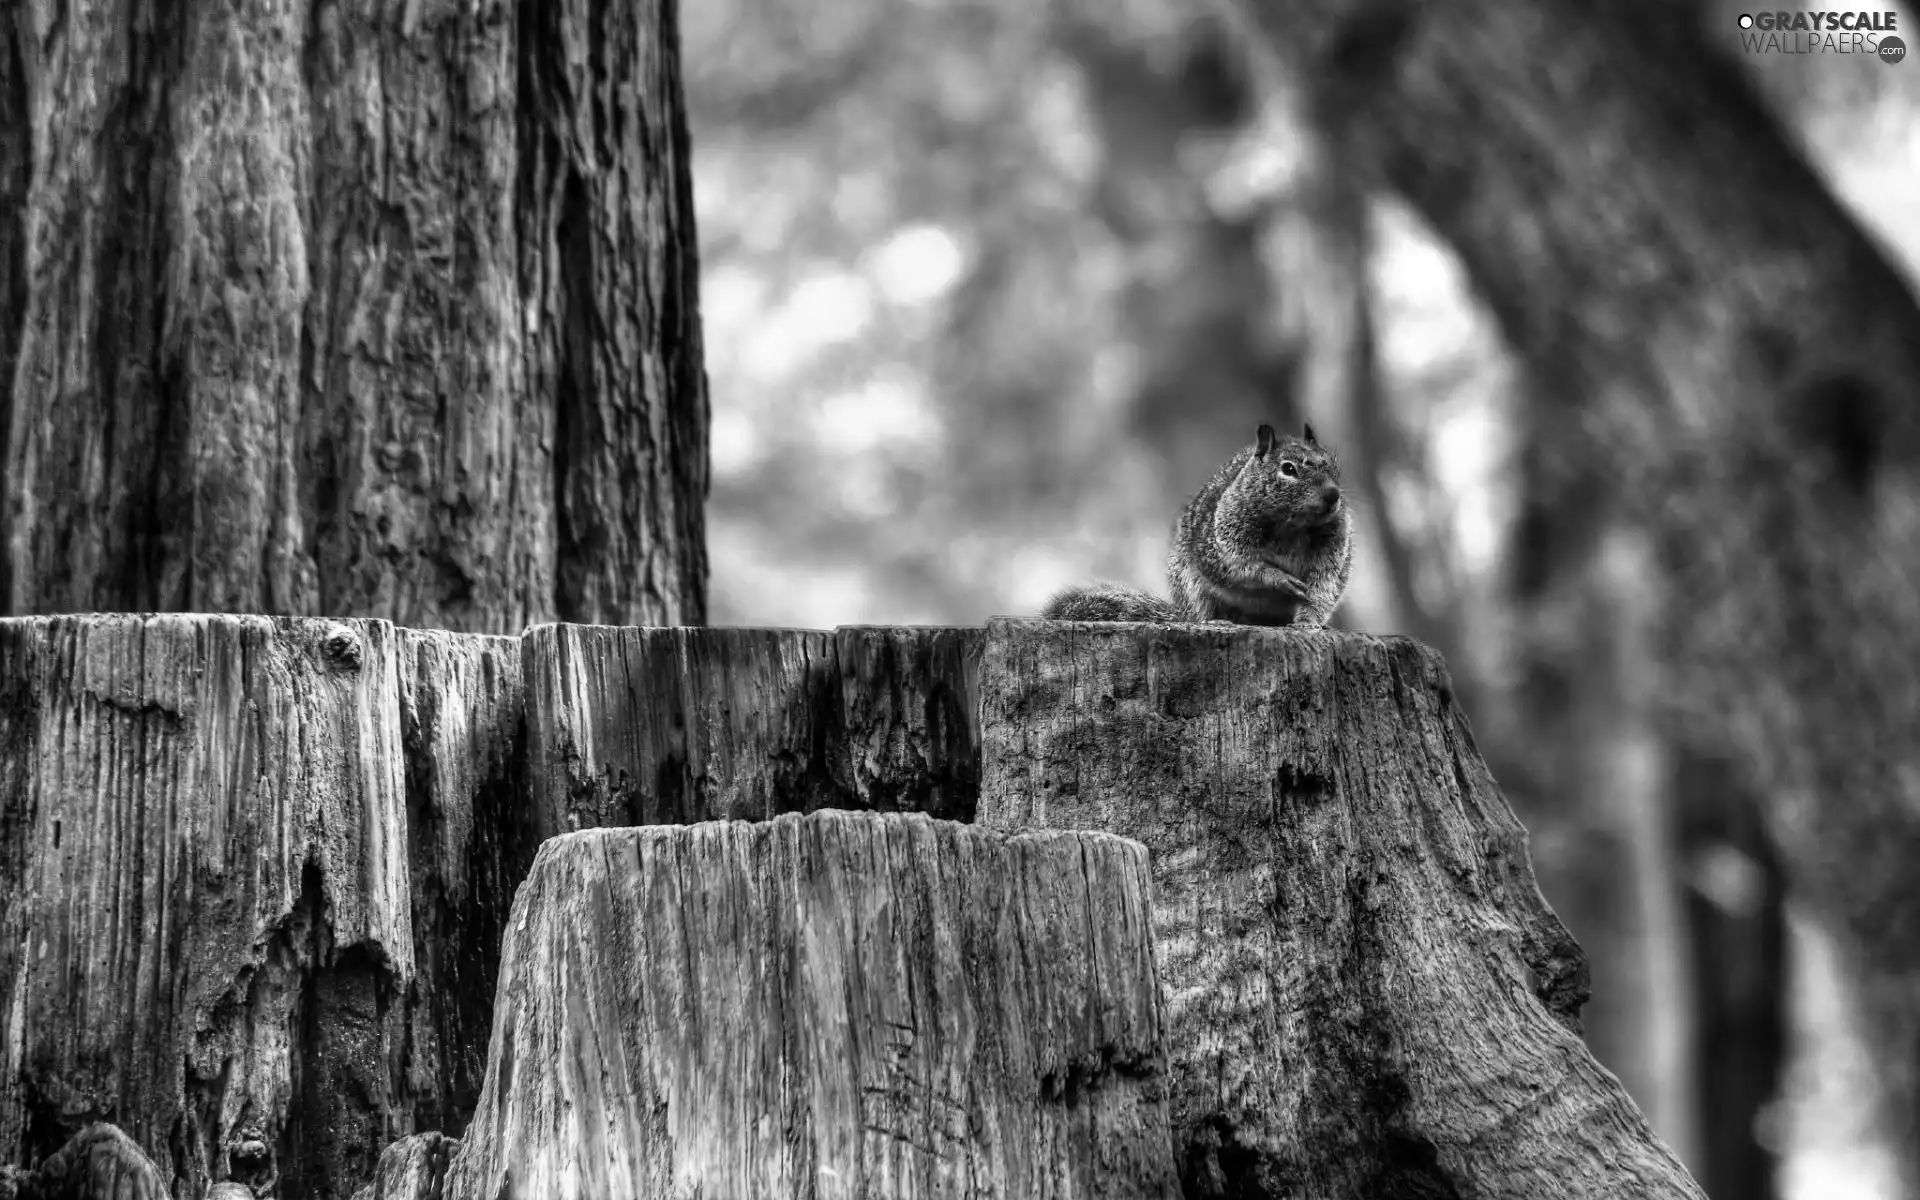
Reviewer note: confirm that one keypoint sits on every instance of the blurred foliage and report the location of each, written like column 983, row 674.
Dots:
column 937, row 272
column 988, row 288
column 989, row 285
column 902, row 304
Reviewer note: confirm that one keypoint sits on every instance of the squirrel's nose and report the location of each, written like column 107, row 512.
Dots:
column 1330, row 496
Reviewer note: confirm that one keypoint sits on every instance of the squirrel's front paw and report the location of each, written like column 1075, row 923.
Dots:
column 1287, row 584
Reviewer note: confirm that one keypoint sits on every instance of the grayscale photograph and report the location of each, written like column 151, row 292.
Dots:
column 959, row 600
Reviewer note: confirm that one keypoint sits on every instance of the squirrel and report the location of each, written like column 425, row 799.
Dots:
column 1267, row 541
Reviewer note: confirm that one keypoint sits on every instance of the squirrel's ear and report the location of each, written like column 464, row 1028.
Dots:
column 1266, row 441
column 1311, row 441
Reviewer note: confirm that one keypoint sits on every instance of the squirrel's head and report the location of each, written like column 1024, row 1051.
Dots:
column 1299, row 473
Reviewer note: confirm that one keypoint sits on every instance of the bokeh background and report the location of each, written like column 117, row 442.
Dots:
column 988, row 287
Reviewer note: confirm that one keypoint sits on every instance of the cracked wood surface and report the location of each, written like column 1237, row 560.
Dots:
column 632, row 726
column 255, row 871
column 1366, row 994
column 1363, row 991
column 832, row 1005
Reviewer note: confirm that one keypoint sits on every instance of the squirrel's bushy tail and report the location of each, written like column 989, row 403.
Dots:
column 1103, row 601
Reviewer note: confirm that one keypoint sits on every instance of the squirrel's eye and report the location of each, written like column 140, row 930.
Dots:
column 1289, row 468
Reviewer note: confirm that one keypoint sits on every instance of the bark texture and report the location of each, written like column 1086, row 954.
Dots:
column 645, row 726
column 413, row 1168
column 349, row 307
column 99, row 1163
column 261, row 871
column 1366, row 994
column 835, row 1005
column 1729, row 362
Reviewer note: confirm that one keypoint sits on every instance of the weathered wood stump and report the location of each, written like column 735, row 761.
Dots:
column 1366, row 994
column 225, row 844
column 413, row 1168
column 471, row 841
column 98, row 1163
column 840, row 1004
column 254, row 877
column 655, row 726
column 210, row 828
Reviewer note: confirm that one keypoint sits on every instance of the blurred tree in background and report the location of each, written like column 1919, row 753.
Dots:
column 990, row 287
column 1015, row 280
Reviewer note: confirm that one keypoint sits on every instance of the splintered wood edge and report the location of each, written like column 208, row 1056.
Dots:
column 637, row 725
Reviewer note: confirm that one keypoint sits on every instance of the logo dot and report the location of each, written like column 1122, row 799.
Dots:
column 1746, row 20
column 1892, row 49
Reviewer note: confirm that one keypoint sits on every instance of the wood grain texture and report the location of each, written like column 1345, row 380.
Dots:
column 837, row 1004
column 100, row 1162
column 208, row 813
column 350, row 306
column 470, row 843
column 263, row 870
column 413, row 1168
column 1367, row 995
column 908, row 737
column 631, row 726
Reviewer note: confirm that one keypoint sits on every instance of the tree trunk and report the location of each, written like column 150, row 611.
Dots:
column 354, row 308
column 837, row 1004
column 1740, row 362
column 256, row 874
column 1366, row 994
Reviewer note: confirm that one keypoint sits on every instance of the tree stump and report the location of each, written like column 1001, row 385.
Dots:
column 657, row 726
column 209, row 814
column 98, row 1163
column 255, row 873
column 225, row 843
column 413, row 1168
column 837, row 1004
column 470, row 843
column 1366, row 994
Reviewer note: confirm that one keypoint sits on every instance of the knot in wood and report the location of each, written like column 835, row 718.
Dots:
column 342, row 649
